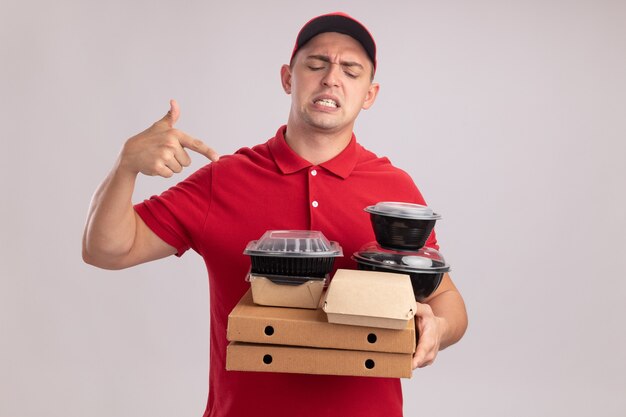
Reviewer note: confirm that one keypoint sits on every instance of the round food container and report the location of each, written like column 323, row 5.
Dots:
column 402, row 226
column 425, row 266
column 293, row 253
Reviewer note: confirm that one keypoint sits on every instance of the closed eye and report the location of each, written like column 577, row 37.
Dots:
column 320, row 62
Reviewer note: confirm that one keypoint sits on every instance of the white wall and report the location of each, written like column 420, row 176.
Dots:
column 510, row 116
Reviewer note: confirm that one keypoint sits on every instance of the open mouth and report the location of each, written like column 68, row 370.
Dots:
column 327, row 102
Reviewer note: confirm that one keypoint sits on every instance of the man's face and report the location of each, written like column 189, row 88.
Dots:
column 330, row 82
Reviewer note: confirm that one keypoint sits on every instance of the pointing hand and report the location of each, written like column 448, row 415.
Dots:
column 160, row 149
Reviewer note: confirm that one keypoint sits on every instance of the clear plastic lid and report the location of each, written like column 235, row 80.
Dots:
column 402, row 210
column 293, row 243
column 422, row 260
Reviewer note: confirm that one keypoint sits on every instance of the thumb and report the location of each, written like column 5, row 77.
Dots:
column 171, row 117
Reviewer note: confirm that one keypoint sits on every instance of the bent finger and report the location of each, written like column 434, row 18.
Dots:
column 423, row 310
column 173, row 165
column 419, row 356
column 182, row 157
column 423, row 358
column 164, row 171
column 416, row 362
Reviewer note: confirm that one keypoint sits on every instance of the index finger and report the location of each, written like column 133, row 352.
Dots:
column 198, row 146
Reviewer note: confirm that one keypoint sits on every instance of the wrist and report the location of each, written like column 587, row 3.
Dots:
column 124, row 169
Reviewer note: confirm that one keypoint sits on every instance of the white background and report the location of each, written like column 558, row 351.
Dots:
column 509, row 115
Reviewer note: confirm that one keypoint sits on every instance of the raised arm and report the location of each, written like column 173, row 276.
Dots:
column 115, row 237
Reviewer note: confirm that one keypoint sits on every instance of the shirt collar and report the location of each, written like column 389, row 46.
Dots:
column 289, row 162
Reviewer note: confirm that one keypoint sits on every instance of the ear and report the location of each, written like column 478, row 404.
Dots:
column 285, row 78
column 370, row 97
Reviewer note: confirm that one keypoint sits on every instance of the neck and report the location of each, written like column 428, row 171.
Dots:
column 316, row 146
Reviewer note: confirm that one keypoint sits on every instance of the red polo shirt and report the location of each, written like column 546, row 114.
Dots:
column 226, row 204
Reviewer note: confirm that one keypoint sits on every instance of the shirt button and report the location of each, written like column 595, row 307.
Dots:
column 314, row 172
column 315, row 204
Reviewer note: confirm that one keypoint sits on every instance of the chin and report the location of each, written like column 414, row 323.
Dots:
column 326, row 126
column 323, row 123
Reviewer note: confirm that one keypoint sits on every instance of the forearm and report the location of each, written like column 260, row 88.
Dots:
column 111, row 225
column 449, row 307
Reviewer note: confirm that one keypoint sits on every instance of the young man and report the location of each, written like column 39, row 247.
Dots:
column 311, row 175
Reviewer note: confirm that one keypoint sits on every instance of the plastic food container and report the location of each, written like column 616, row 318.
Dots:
column 403, row 226
column 425, row 266
column 292, row 253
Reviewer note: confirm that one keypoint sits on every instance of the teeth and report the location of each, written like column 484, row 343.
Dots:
column 327, row 102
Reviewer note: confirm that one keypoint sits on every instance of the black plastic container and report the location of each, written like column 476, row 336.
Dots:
column 402, row 226
column 292, row 253
column 425, row 266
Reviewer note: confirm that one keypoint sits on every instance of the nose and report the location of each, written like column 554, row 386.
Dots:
column 332, row 76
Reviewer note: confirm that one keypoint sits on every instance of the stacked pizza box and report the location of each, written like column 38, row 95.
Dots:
column 290, row 321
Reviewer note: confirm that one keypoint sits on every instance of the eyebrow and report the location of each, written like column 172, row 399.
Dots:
column 342, row 63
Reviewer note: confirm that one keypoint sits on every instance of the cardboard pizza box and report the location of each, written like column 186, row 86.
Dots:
column 253, row 323
column 306, row 360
